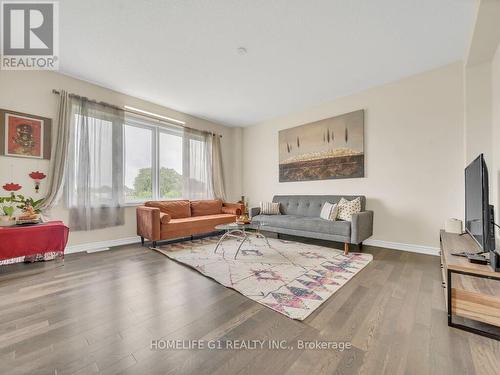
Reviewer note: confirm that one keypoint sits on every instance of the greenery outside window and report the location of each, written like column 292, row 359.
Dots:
column 163, row 162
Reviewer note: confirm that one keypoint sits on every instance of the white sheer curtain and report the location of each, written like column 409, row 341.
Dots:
column 196, row 162
column 202, row 166
column 95, row 166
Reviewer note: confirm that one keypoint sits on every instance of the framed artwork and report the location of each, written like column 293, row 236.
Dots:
column 328, row 149
column 23, row 135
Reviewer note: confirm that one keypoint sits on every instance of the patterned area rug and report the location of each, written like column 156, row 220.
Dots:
column 291, row 278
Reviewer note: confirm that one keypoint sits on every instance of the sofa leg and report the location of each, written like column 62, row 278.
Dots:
column 346, row 248
column 360, row 246
column 142, row 241
column 154, row 243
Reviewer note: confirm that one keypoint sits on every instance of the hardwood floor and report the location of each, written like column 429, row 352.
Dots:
column 98, row 313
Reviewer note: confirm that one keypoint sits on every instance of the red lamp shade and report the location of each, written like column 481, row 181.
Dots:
column 12, row 187
column 37, row 176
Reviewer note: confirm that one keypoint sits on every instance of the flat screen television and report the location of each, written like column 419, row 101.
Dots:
column 478, row 212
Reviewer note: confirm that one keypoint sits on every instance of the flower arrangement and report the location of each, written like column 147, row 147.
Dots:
column 27, row 205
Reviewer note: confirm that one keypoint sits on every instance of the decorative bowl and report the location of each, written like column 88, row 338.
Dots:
column 243, row 219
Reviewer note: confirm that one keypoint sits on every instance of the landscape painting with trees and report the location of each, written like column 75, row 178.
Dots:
column 326, row 149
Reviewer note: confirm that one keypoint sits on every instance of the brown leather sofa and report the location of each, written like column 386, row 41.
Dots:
column 163, row 220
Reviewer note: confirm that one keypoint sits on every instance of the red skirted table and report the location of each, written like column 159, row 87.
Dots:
column 30, row 243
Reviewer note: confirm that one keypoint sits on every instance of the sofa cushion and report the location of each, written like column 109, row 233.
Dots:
column 309, row 205
column 232, row 210
column 270, row 208
column 191, row 224
column 206, row 207
column 348, row 208
column 329, row 211
column 164, row 218
column 176, row 209
column 307, row 224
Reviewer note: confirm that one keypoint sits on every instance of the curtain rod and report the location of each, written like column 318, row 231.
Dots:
column 159, row 119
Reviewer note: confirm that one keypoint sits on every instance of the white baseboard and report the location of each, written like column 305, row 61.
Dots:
column 428, row 250
column 92, row 247
column 105, row 245
column 98, row 250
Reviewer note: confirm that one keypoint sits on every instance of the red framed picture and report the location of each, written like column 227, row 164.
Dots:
column 24, row 135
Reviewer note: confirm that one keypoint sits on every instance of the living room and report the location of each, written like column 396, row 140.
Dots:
column 238, row 187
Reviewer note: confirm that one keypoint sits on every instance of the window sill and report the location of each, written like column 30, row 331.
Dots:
column 141, row 203
column 133, row 204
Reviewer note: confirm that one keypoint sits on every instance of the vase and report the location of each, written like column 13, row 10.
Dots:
column 7, row 221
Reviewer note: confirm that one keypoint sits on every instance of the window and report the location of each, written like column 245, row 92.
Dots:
column 170, row 157
column 115, row 159
column 164, row 162
column 138, row 161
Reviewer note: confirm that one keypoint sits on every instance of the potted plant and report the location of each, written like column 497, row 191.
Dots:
column 7, row 218
column 7, row 205
column 30, row 208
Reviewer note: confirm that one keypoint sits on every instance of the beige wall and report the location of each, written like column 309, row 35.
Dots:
column 31, row 92
column 482, row 96
column 478, row 114
column 414, row 152
column 414, row 145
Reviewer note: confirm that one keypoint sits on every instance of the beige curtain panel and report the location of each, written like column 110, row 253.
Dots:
column 59, row 156
column 217, row 170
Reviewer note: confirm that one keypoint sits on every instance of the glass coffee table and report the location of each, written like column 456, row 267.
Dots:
column 239, row 231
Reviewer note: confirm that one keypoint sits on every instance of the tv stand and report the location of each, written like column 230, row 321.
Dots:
column 472, row 290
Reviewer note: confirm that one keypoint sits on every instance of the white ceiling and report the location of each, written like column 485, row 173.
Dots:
column 183, row 53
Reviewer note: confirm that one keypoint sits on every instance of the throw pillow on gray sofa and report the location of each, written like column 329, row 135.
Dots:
column 329, row 211
column 270, row 208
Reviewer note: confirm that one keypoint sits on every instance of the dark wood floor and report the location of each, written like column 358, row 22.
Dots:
column 97, row 313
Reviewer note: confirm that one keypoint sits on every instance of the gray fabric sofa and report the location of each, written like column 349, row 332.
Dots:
column 300, row 217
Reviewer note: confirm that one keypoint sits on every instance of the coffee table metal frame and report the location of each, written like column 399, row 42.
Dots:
column 240, row 233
